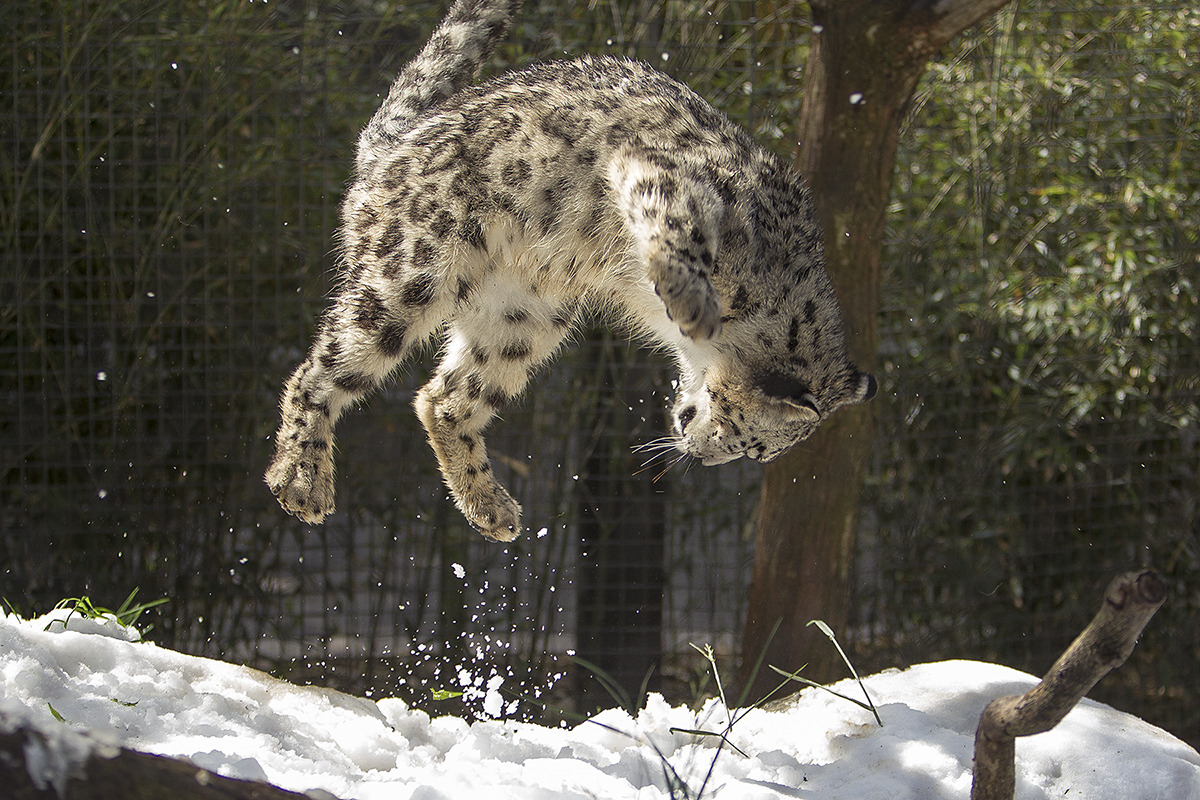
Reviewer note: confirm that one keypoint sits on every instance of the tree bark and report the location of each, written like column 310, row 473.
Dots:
column 120, row 774
column 1129, row 603
column 864, row 64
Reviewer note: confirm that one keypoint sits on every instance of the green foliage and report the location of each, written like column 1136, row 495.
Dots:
column 126, row 615
column 1042, row 332
column 164, row 161
column 1062, row 212
column 628, row 703
column 12, row 609
column 731, row 715
column 736, row 712
column 166, row 221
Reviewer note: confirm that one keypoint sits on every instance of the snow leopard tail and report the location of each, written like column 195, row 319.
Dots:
column 447, row 63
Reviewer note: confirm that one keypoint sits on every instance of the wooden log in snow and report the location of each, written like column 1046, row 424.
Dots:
column 112, row 773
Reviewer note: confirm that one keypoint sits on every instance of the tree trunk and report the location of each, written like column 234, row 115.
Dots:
column 864, row 64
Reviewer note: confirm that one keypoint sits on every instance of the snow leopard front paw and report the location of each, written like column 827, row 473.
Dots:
column 301, row 478
column 693, row 306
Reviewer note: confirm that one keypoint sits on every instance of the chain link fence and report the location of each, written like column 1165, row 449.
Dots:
column 170, row 181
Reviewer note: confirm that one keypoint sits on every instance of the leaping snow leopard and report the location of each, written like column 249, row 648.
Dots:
column 500, row 215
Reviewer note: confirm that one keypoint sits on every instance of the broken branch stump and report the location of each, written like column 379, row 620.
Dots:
column 1129, row 603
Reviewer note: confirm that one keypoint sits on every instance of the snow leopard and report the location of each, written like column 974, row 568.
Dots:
column 498, row 216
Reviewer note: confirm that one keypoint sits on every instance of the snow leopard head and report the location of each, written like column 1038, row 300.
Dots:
column 764, row 385
column 736, row 412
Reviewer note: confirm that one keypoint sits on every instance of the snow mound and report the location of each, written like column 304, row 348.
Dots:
column 242, row 723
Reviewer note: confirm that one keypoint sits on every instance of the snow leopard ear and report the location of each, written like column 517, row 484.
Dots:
column 865, row 387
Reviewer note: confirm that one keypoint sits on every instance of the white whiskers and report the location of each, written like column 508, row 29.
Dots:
column 664, row 452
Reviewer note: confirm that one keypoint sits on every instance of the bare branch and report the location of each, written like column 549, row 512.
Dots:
column 1129, row 603
column 952, row 17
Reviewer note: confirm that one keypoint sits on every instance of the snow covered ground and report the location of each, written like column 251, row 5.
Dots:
column 89, row 676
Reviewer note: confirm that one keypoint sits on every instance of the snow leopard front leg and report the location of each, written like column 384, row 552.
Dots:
column 675, row 221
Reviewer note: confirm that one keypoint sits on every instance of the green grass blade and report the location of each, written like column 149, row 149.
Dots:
column 805, row 681
column 610, row 684
column 724, row 737
column 825, row 629
column 758, row 662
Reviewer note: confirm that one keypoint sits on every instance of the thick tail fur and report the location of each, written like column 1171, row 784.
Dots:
column 448, row 62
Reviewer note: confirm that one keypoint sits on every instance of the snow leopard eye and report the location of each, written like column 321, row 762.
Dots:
column 790, row 390
column 804, row 402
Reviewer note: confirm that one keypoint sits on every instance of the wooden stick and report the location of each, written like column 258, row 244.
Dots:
column 1129, row 603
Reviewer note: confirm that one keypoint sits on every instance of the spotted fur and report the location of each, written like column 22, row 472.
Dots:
column 499, row 214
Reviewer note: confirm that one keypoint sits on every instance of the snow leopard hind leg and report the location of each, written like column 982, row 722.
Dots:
column 493, row 348
column 364, row 336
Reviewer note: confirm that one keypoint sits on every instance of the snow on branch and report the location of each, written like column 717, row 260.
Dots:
column 1129, row 603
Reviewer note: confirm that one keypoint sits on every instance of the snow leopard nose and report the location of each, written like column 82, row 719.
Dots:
column 685, row 418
